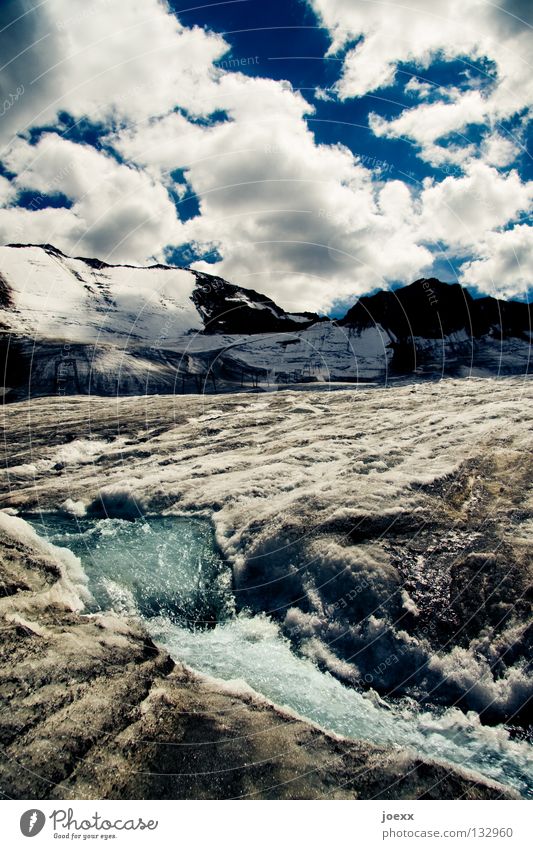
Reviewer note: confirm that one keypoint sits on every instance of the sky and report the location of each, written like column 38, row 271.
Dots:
column 313, row 150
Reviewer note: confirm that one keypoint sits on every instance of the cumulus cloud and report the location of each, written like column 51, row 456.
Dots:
column 108, row 61
column 461, row 211
column 504, row 264
column 6, row 191
column 293, row 218
column 304, row 222
column 418, row 87
column 114, row 65
column 428, row 122
column 499, row 150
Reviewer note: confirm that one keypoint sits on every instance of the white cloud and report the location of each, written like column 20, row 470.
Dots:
column 419, row 32
column 7, row 191
column 419, row 88
column 429, row 122
column 292, row 217
column 115, row 64
column 323, row 94
column 499, row 150
column 395, row 32
column 295, row 219
column 108, row 61
column 304, row 222
column 118, row 213
column 461, row 210
column 505, row 263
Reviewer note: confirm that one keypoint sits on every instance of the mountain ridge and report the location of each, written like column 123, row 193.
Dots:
column 450, row 303
column 487, row 308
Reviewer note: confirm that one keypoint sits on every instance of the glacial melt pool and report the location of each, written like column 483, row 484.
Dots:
column 168, row 571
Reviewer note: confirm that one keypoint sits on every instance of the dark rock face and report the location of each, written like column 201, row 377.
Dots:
column 431, row 309
column 512, row 317
column 51, row 249
column 6, row 301
column 441, row 326
column 231, row 309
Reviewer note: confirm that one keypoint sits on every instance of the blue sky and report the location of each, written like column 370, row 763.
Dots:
column 284, row 40
column 315, row 150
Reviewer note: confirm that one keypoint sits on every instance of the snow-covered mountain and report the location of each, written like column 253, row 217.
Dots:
column 77, row 325
column 48, row 295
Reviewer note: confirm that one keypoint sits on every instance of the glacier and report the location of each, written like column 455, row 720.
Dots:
column 387, row 531
column 167, row 572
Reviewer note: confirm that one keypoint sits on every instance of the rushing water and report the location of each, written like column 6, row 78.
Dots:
column 168, row 571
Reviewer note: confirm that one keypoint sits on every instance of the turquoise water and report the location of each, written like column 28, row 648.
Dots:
column 168, row 571
column 162, row 566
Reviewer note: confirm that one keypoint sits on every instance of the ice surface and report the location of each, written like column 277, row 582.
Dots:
column 334, row 510
column 168, row 572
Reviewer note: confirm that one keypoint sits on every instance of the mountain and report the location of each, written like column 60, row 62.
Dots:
column 427, row 314
column 46, row 293
column 431, row 309
column 71, row 325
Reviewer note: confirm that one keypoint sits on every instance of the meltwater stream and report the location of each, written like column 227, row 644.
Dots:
column 168, row 571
